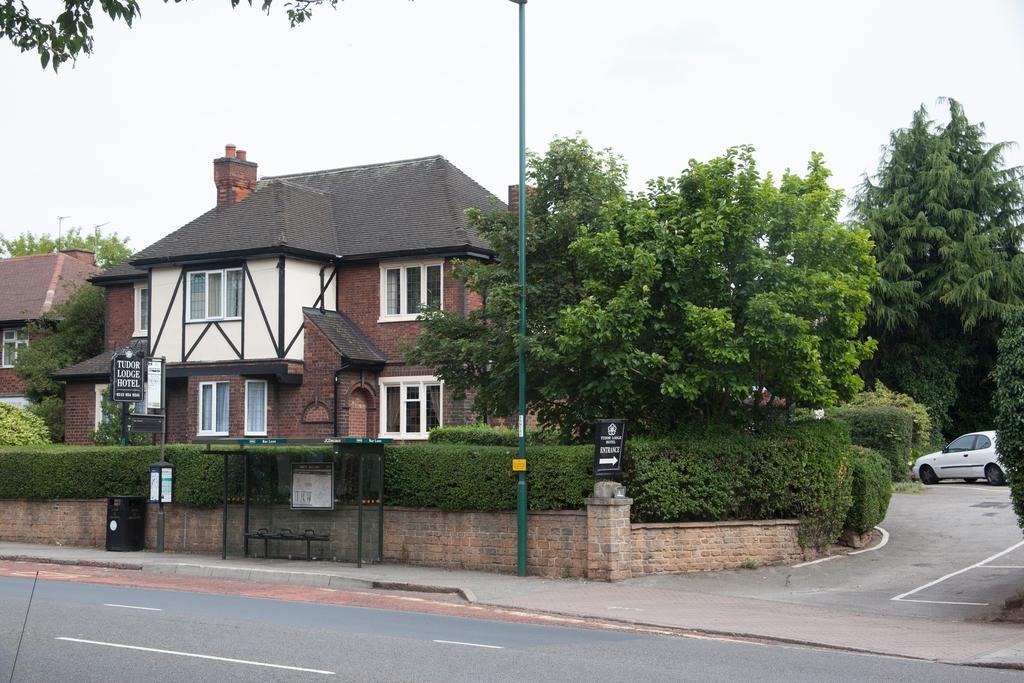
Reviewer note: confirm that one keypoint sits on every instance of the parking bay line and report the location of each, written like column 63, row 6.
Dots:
column 196, row 656
column 902, row 596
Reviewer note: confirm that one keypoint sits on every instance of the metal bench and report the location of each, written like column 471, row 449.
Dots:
column 309, row 535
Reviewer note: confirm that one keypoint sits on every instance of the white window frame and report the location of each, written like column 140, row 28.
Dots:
column 199, row 416
column 223, row 272
column 266, row 388
column 422, row 382
column 11, row 335
column 403, row 267
column 98, row 416
column 141, row 331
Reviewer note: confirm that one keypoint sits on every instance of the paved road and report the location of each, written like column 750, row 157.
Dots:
column 952, row 528
column 87, row 632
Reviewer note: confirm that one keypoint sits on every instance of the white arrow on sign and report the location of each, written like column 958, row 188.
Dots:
column 607, row 461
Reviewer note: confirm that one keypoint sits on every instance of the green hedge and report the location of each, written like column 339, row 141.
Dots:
column 872, row 490
column 800, row 469
column 888, row 430
column 484, row 435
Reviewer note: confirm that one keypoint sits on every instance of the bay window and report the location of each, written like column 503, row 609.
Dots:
column 214, row 406
column 412, row 406
column 215, row 294
column 407, row 289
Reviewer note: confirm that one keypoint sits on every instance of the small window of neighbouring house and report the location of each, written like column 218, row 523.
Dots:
column 215, row 294
column 256, row 407
column 407, row 289
column 214, row 406
column 13, row 339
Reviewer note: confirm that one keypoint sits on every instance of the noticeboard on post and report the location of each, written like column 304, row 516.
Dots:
column 312, row 486
column 609, row 448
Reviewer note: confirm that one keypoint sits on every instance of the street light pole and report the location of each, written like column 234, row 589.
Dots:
column 521, row 499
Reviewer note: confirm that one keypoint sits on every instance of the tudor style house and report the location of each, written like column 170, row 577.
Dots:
column 32, row 285
column 284, row 310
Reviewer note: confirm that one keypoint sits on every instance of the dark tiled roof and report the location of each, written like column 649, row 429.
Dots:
column 346, row 336
column 122, row 271
column 99, row 365
column 32, row 285
column 401, row 207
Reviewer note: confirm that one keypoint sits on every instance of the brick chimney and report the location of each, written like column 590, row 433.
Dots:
column 513, row 196
column 234, row 177
column 83, row 255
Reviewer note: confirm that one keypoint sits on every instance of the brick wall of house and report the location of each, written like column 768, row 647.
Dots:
column 119, row 322
column 10, row 383
column 79, row 412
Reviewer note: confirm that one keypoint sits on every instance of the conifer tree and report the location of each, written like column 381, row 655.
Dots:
column 945, row 215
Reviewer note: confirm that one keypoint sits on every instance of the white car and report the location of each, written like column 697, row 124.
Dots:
column 968, row 457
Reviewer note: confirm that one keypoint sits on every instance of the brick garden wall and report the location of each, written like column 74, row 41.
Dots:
column 598, row 543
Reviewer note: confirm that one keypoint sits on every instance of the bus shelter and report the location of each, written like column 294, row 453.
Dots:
column 334, row 500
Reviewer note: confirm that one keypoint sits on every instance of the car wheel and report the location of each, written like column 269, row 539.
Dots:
column 928, row 476
column 994, row 475
column 970, row 480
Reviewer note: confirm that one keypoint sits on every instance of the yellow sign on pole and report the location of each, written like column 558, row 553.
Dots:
column 518, row 464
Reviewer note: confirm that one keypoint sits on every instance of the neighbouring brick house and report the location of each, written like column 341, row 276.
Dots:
column 29, row 287
column 283, row 311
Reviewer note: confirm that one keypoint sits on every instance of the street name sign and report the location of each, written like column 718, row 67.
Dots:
column 127, row 374
column 609, row 448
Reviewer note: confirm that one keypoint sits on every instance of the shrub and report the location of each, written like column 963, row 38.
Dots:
column 485, row 435
column 21, row 428
column 801, row 469
column 872, row 490
column 458, row 477
column 888, row 430
column 1008, row 401
column 924, row 436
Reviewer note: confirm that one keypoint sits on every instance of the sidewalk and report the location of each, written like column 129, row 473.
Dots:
column 628, row 601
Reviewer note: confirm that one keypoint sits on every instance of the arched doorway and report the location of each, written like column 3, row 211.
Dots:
column 359, row 414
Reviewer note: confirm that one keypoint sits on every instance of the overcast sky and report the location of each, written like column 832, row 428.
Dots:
column 127, row 136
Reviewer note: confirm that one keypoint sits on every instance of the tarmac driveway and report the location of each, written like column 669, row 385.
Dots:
column 953, row 552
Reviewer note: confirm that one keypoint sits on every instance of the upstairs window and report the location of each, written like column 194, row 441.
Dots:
column 215, row 294
column 142, row 310
column 13, row 339
column 408, row 289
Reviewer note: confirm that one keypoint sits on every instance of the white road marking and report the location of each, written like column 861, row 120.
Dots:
column 901, row 596
column 456, row 642
column 197, row 656
column 881, row 544
column 942, row 602
column 631, row 609
column 148, row 609
column 820, row 559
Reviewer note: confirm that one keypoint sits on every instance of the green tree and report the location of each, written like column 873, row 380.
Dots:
column 110, row 249
column 69, row 34
column 69, row 333
column 570, row 187
column 108, row 432
column 666, row 306
column 1008, row 402
column 945, row 217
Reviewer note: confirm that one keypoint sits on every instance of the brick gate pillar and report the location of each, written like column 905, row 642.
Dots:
column 609, row 551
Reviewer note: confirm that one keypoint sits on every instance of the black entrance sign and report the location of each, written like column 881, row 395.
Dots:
column 127, row 373
column 609, row 447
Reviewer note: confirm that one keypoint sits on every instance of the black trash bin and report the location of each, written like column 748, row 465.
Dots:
column 126, row 523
